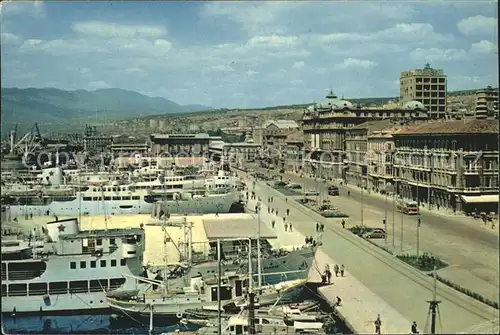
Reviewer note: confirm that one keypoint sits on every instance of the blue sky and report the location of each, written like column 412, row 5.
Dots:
column 246, row 54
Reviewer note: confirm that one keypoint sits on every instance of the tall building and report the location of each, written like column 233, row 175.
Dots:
column 487, row 103
column 426, row 85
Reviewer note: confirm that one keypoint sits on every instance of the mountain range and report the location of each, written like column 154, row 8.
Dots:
column 54, row 107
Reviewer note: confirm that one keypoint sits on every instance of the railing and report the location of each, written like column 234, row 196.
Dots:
column 24, row 275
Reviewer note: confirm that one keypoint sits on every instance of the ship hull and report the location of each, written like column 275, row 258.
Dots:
column 202, row 205
column 293, row 266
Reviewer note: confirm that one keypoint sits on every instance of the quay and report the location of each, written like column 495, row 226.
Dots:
column 375, row 282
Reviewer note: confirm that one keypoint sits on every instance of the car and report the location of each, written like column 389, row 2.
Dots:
column 333, row 190
column 312, row 192
column 375, row 233
column 294, row 186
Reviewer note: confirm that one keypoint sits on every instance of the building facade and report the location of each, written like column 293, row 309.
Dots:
column 181, row 144
column 428, row 86
column 274, row 132
column 325, row 125
column 452, row 164
column 487, row 103
column 359, row 156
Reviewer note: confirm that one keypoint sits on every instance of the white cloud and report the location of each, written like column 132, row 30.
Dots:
column 32, row 9
column 97, row 85
column 438, row 55
column 477, row 25
column 484, row 47
column 274, row 41
column 298, row 65
column 106, row 29
column 222, row 69
column 8, row 38
column 349, row 63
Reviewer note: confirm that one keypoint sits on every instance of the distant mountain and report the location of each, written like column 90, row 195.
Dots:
column 196, row 108
column 54, row 107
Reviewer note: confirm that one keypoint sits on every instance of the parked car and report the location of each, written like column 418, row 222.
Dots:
column 312, row 192
column 294, row 186
column 375, row 233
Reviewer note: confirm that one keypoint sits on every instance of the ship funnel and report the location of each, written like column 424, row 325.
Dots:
column 53, row 175
column 62, row 227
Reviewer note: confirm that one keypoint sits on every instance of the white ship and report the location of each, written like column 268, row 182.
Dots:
column 179, row 194
column 69, row 270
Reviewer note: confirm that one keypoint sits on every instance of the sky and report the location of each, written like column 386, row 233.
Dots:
column 246, row 54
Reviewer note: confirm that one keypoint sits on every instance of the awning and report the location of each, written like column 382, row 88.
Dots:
column 473, row 199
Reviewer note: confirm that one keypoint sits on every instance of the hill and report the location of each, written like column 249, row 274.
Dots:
column 58, row 108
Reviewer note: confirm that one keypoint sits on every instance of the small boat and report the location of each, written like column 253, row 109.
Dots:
column 201, row 294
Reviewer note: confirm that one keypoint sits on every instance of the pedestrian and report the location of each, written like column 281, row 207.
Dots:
column 414, row 329
column 272, row 199
column 317, row 227
column 287, row 212
column 268, row 210
column 322, row 227
column 286, row 227
column 307, row 240
column 336, row 269
column 273, row 223
column 286, row 200
column 276, row 212
column 343, row 223
column 291, row 229
column 378, row 325
column 348, row 193
column 31, row 215
column 342, row 269
column 339, row 301
column 328, row 274
column 268, row 199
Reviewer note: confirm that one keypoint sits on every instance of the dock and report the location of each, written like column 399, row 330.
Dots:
column 360, row 306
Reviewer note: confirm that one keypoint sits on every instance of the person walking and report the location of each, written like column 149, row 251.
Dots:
column 322, row 228
column 287, row 212
column 317, row 227
column 414, row 328
column 342, row 269
column 343, row 223
column 286, row 227
column 336, row 269
column 273, row 223
column 378, row 325
column 291, row 229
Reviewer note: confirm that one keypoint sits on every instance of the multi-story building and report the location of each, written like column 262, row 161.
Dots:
column 452, row 164
column 358, row 154
column 274, row 132
column 380, row 149
column 487, row 103
column 325, row 125
column 426, row 85
column 181, row 144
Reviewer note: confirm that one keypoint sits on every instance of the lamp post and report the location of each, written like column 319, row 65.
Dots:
column 418, row 235
column 388, row 188
column 362, row 200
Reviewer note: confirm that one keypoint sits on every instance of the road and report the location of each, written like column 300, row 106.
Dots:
column 469, row 247
column 400, row 285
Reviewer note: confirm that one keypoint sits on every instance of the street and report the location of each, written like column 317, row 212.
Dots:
column 470, row 248
column 401, row 286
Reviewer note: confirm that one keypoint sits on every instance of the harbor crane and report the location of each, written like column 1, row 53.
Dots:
column 31, row 141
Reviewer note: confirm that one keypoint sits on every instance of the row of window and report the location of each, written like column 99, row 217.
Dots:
column 102, row 264
column 78, row 286
column 134, row 197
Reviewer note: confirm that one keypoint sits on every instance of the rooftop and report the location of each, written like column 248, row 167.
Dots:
column 375, row 125
column 282, row 124
column 235, row 226
column 184, row 136
column 470, row 126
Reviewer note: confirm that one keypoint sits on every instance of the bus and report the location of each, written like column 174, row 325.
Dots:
column 408, row 207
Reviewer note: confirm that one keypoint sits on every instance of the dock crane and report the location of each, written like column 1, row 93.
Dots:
column 27, row 144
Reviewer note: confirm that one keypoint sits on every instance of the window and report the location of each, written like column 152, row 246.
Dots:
column 112, row 241
column 103, row 263
column 72, row 265
column 93, row 264
column 113, row 262
column 123, row 262
column 83, row 265
column 98, row 241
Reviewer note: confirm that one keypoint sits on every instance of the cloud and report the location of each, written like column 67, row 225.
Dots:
column 97, row 85
column 298, row 65
column 106, row 29
column 353, row 63
column 31, row 9
column 438, row 55
column 484, row 47
column 477, row 25
column 7, row 38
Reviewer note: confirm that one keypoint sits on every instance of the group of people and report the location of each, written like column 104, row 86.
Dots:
column 320, row 228
column 327, row 274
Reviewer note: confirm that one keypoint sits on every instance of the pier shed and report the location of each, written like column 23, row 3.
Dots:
column 236, row 227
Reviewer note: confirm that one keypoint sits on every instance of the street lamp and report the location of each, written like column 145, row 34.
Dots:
column 418, row 235
column 388, row 188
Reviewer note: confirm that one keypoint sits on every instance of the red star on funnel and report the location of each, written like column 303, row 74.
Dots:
column 61, row 228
